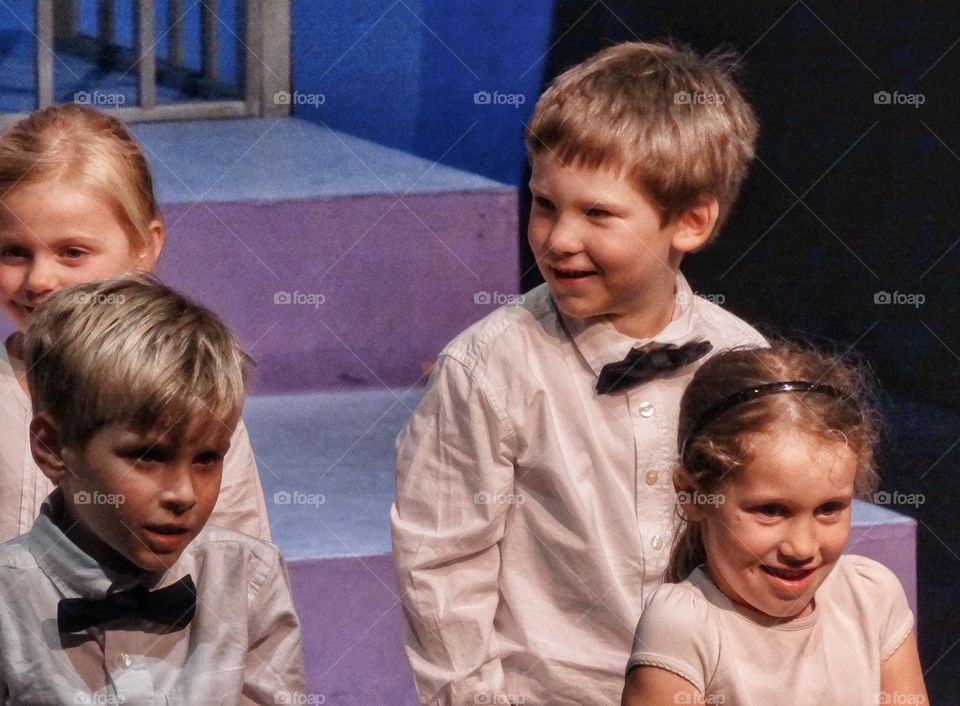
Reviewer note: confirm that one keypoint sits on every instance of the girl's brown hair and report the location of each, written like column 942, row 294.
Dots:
column 716, row 453
column 80, row 144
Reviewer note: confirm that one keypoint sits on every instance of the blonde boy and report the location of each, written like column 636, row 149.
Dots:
column 535, row 507
column 121, row 593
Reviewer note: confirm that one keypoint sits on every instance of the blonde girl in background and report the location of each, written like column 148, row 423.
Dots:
column 763, row 609
column 77, row 205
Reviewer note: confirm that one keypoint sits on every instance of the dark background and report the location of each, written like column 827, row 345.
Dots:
column 848, row 198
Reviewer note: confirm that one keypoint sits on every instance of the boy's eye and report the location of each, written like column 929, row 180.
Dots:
column 208, row 458
column 598, row 213
column 543, row 203
column 145, row 454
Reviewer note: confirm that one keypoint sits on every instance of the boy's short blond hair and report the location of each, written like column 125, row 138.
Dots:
column 674, row 121
column 131, row 351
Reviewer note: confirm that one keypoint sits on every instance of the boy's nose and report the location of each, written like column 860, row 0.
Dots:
column 178, row 494
column 563, row 239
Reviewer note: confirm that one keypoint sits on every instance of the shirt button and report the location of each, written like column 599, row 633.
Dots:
column 657, row 542
column 646, row 409
column 124, row 660
column 651, row 477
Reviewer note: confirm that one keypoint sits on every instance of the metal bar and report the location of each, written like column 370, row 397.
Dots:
column 210, row 110
column 248, row 30
column 211, row 40
column 274, row 56
column 175, row 32
column 202, row 110
column 65, row 18
column 106, row 22
column 45, row 27
column 146, row 54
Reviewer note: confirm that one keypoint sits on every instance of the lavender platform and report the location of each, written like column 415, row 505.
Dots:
column 326, row 461
column 339, row 262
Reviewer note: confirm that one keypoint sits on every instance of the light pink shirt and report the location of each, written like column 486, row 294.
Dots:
column 533, row 516
column 23, row 486
column 832, row 656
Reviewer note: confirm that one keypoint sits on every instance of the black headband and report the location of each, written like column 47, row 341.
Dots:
column 722, row 406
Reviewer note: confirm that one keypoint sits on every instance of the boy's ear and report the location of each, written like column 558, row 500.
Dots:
column 687, row 492
column 694, row 227
column 46, row 445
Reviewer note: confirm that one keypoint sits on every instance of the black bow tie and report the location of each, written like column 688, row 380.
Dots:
column 642, row 365
column 174, row 605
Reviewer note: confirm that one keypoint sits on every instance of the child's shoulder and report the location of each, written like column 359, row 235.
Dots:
column 15, row 554
column 723, row 328
column 214, row 538
column 526, row 320
column 682, row 606
column 222, row 551
column 865, row 576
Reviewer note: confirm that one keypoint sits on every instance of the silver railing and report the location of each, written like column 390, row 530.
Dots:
column 263, row 47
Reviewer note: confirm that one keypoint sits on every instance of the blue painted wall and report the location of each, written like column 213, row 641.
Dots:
column 452, row 81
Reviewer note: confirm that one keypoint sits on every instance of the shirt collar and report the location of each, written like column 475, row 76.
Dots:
column 599, row 342
column 74, row 572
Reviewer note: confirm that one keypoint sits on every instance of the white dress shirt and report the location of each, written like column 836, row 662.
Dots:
column 242, row 646
column 23, row 486
column 533, row 516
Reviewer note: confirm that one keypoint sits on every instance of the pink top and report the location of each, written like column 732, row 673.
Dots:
column 831, row 656
column 23, row 487
column 534, row 517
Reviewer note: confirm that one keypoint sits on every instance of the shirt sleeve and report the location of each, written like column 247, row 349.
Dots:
column 452, row 457
column 884, row 597
column 274, row 671
column 241, row 506
column 676, row 632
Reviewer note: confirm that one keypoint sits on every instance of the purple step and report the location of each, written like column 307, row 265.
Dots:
column 340, row 263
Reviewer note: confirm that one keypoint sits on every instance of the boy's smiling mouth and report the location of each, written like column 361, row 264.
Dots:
column 569, row 274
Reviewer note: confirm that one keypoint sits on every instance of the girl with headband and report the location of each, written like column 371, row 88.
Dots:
column 761, row 607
